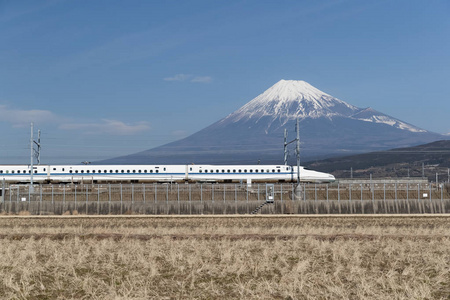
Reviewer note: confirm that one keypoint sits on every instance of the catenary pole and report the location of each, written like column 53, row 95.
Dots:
column 31, row 158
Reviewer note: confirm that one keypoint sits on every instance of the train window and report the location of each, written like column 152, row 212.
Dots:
column 217, row 171
column 82, row 171
column 139, row 171
column 35, row 171
column 267, row 171
column 93, row 171
column 1, row 171
column 223, row 171
column 111, row 171
column 122, row 171
column 240, row 171
column 117, row 171
column 206, row 171
column 279, row 170
column 212, row 171
column 54, row 169
column 63, row 169
column 157, row 171
column 190, row 169
column 245, row 170
column 251, row 171
column 164, row 169
column 262, row 171
column 151, row 171
column 228, row 171
column 128, row 171
column 76, row 171
column 256, row 171
column 12, row 172
column 134, row 171
column 44, row 169
column 70, row 171
column 234, row 171
column 200, row 171
column 145, row 171
column 273, row 171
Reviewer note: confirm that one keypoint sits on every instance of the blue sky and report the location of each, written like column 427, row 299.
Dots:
column 109, row 78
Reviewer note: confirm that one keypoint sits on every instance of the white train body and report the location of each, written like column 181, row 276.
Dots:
column 159, row 173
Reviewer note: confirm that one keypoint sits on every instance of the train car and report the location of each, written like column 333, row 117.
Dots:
column 159, row 173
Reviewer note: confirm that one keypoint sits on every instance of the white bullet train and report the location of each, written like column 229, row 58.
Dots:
column 159, row 173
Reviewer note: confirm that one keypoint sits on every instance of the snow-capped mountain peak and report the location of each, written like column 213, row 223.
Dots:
column 287, row 100
column 291, row 90
column 291, row 99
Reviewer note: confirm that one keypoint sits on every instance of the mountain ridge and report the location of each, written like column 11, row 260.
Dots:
column 255, row 132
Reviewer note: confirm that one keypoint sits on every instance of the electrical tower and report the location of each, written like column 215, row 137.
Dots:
column 298, row 189
column 34, row 153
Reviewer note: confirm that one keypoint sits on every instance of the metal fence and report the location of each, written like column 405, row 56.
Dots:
column 286, row 198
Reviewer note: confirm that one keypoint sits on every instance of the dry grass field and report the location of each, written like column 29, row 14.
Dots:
column 260, row 257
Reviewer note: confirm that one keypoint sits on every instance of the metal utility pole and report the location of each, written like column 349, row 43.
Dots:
column 38, row 151
column 31, row 158
column 298, row 189
column 285, row 147
column 297, row 152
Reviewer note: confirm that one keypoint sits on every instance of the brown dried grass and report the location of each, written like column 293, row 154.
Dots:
column 210, row 258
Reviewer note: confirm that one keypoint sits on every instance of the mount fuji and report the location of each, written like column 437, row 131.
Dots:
column 255, row 132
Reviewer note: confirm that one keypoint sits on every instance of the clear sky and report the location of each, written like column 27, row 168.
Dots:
column 108, row 78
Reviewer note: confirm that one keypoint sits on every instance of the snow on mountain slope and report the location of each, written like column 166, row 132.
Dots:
column 371, row 115
column 291, row 99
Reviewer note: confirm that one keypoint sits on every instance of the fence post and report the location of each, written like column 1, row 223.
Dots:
column 10, row 198
column 315, row 192
column 143, row 193
column 328, row 200
column 52, row 193
column 246, row 197
column 258, row 192
column 64, row 198
column 121, row 199
column 4, row 191
column 155, row 209
column 235, row 199
column 418, row 197
column 190, row 199
column 350, row 196
column 373, row 198
column 281, row 198
column 167, row 197
column 132, row 194
column 87, row 197
column 431, row 203
column 362, row 203
column 98, row 199
column 40, row 200
column 339, row 198
column 109, row 198
column 178, row 197
column 75, row 197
